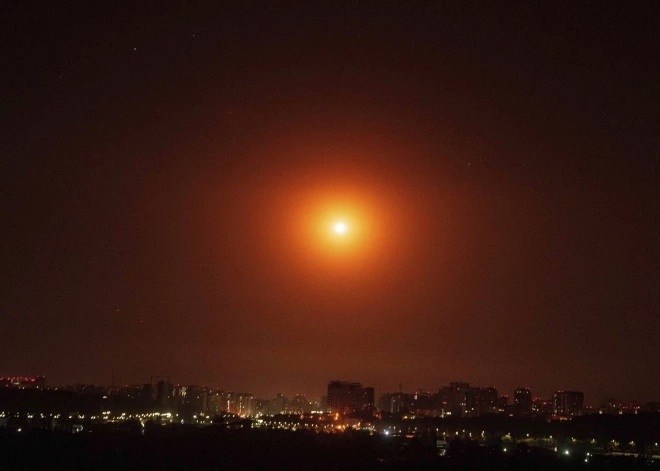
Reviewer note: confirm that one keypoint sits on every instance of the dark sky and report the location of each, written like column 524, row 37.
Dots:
column 165, row 171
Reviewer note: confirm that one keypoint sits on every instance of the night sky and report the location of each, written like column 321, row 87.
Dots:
column 169, row 174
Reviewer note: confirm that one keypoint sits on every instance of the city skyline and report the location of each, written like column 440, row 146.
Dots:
column 28, row 402
column 512, row 397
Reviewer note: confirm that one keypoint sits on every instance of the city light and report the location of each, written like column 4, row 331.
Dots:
column 201, row 406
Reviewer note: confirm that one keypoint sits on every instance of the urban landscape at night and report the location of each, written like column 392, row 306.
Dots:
column 330, row 235
column 420, row 427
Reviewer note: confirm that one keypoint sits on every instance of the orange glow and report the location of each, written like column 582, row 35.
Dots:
column 340, row 226
column 337, row 225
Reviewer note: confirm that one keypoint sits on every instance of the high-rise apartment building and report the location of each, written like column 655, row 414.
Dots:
column 278, row 405
column 488, row 401
column 462, row 399
column 542, row 407
column 567, row 403
column 522, row 399
column 345, row 397
column 242, row 404
column 299, row 405
column 395, row 403
column 164, row 392
column 502, row 402
column 366, row 400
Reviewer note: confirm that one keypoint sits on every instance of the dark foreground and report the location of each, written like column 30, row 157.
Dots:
column 211, row 448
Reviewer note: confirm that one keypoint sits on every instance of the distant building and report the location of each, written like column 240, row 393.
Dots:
column 488, row 401
column 214, row 404
column 470, row 402
column 23, row 382
column 366, row 401
column 462, row 399
column 522, row 399
column 224, row 400
column 502, row 402
column 193, row 399
column 164, row 392
column 542, row 407
column 242, row 404
column 148, row 393
column 319, row 404
column 395, row 403
column 278, row 404
column 345, row 397
column 299, row 405
column 202, row 399
column 426, row 403
column 81, row 388
column 567, row 403
column 179, row 393
column 261, row 406
column 611, row 406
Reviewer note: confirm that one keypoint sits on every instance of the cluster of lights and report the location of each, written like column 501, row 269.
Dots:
column 293, row 425
column 300, row 422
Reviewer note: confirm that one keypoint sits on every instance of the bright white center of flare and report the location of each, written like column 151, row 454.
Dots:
column 340, row 228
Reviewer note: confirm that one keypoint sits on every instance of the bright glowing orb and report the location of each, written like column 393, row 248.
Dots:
column 340, row 228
